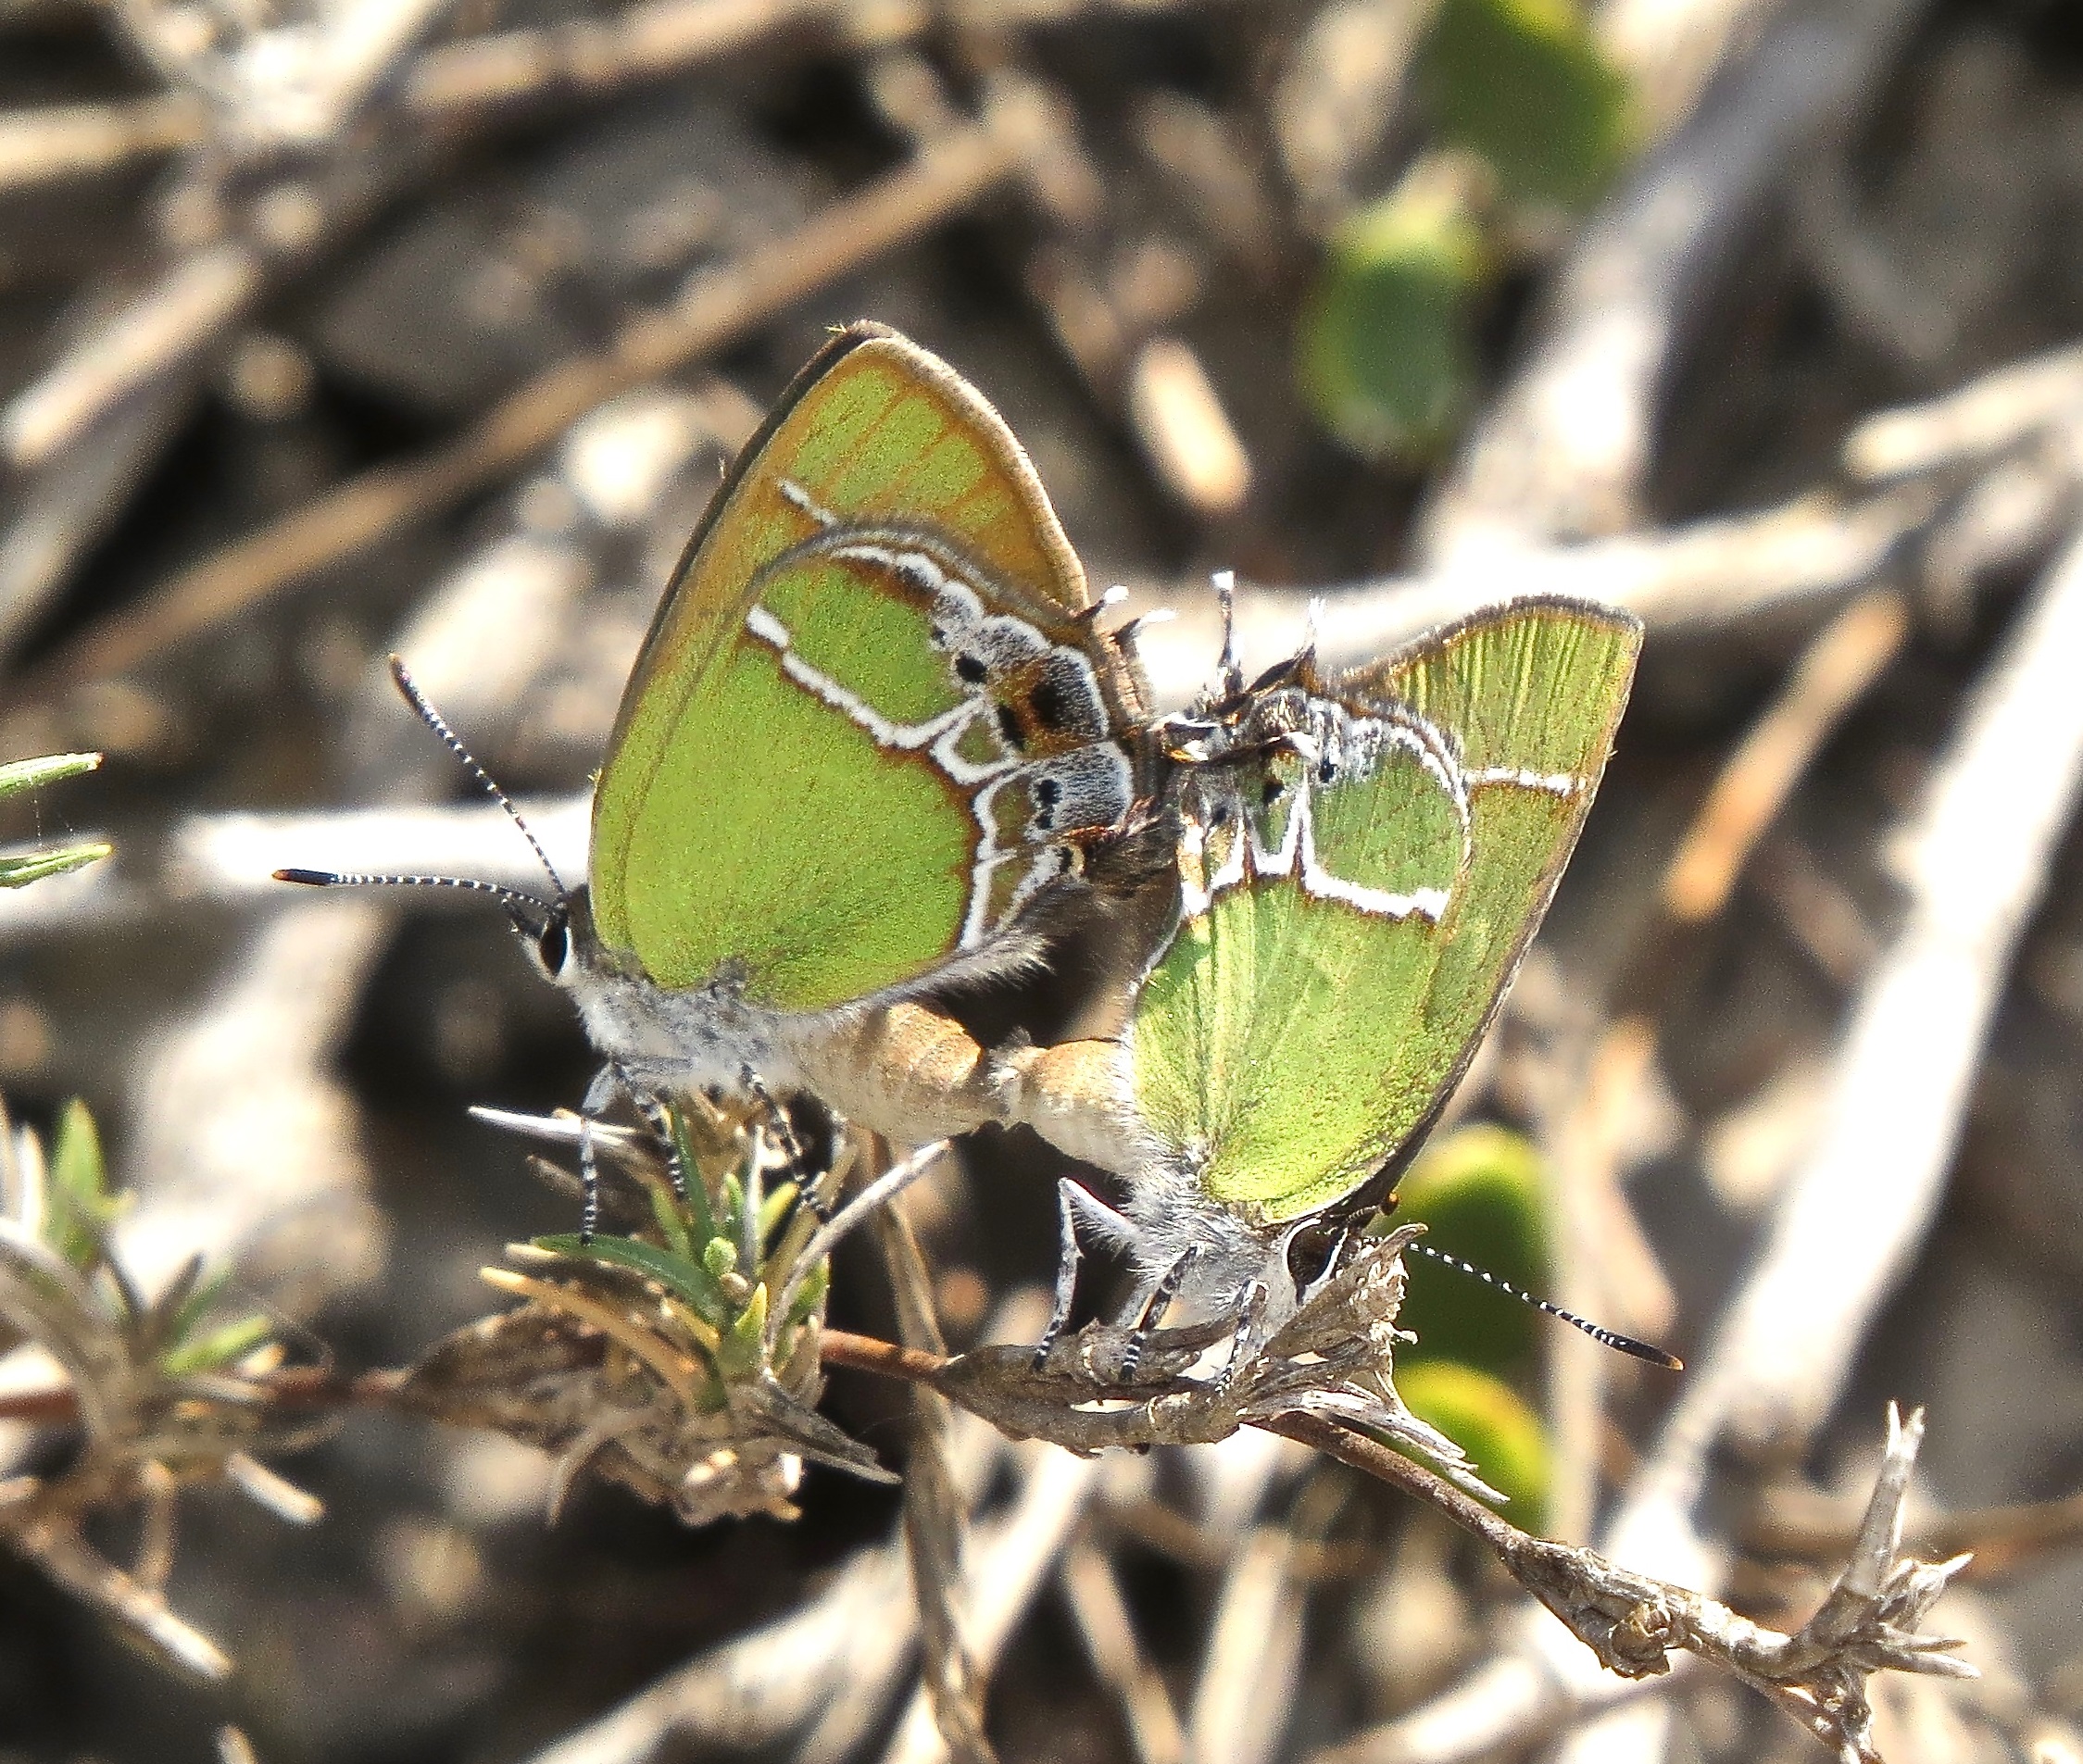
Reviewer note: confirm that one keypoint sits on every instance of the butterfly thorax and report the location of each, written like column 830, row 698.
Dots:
column 672, row 1040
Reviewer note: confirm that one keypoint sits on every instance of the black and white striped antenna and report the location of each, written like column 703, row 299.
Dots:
column 1597, row 1331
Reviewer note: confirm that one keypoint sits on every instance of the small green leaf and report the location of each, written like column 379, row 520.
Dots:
column 21, row 870
column 685, row 1280
column 809, row 1294
column 701, row 1219
column 671, row 1222
column 1387, row 360
column 216, row 1348
column 1525, row 84
column 1489, row 1421
column 774, row 1210
column 47, row 768
column 1480, row 1191
column 81, row 1210
column 744, row 1342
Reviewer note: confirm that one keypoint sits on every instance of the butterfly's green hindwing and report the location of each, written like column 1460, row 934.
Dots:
column 869, row 689
column 1326, row 991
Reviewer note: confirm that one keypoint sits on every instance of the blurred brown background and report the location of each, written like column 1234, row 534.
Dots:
column 394, row 325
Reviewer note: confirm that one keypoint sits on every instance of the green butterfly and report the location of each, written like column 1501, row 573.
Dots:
column 1360, row 863
column 871, row 733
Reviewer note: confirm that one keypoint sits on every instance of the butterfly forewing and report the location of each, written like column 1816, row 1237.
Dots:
column 869, row 692
column 1305, row 1022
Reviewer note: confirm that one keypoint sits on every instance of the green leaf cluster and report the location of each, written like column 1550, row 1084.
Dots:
column 22, row 867
column 183, row 1329
column 719, row 1257
column 1534, row 115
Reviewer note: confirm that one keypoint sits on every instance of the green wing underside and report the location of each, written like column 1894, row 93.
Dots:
column 1289, row 1044
column 742, row 823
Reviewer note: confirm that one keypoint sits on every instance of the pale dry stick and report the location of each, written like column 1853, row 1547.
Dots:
column 64, row 1556
column 1797, row 562
column 718, row 306
column 935, row 1510
column 57, row 142
column 1670, row 51
column 451, row 86
column 57, row 513
column 1847, row 1224
column 1564, row 449
column 1973, row 425
column 1094, row 1594
column 1833, row 674
column 1251, row 1668
column 193, row 301
column 1010, row 1564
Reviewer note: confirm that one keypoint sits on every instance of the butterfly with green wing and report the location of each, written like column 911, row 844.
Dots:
column 871, row 738
column 1362, row 860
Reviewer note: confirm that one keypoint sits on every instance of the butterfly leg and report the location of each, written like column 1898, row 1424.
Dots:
column 1245, row 1343
column 784, row 1136
column 1160, row 1299
column 658, row 1119
column 1073, row 1202
column 600, row 1094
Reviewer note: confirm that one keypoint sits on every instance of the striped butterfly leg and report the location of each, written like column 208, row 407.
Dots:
column 600, row 1094
column 790, row 1143
column 1072, row 1203
column 1152, row 1313
column 1248, row 1338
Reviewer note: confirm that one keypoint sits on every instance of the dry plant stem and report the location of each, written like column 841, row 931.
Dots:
column 1855, row 1211
column 1094, row 1594
column 1747, row 796
column 1801, row 1525
column 1564, row 447
column 1974, row 862
column 56, row 142
column 452, row 87
column 60, row 1553
column 1794, row 561
column 936, row 1516
column 1832, row 675
column 716, row 306
column 1631, row 1621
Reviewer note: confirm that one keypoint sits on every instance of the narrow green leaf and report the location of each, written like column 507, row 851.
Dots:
column 46, row 769
column 810, row 1294
column 213, row 1348
column 685, row 1280
column 744, row 1342
column 1386, row 355
column 672, row 1221
column 81, row 1210
column 28, row 866
column 1525, row 84
column 701, row 1219
column 773, row 1210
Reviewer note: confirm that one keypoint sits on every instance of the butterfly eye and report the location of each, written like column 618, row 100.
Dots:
column 552, row 944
